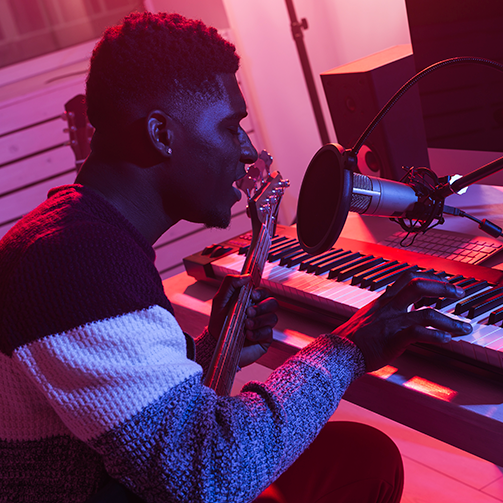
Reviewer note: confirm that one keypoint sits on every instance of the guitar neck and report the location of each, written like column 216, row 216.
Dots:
column 225, row 361
column 263, row 209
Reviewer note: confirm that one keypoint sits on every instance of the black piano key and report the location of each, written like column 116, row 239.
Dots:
column 367, row 264
column 475, row 287
column 456, row 279
column 352, row 263
column 327, row 260
column 357, row 278
column 282, row 245
column 464, row 305
column 285, row 253
column 243, row 250
column 426, row 301
column 278, row 252
column 358, row 260
column 429, row 301
column 306, row 263
column 275, row 242
column 344, row 259
column 277, row 239
column 391, row 277
column 486, row 305
column 496, row 316
column 427, row 271
column 280, row 241
column 295, row 259
column 464, row 284
column 365, row 282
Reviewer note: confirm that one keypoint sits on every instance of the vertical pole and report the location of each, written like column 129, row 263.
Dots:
column 298, row 36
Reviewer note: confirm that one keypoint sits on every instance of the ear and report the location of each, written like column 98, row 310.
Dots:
column 160, row 132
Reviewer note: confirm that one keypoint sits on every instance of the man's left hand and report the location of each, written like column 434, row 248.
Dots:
column 261, row 317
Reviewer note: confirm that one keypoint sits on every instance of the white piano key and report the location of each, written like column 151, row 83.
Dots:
column 495, row 353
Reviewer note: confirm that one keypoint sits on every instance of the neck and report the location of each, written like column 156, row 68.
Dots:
column 131, row 190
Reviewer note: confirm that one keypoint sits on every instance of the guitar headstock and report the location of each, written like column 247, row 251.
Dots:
column 79, row 129
column 264, row 191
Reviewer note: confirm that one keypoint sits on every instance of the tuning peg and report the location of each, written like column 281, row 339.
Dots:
column 267, row 159
column 265, row 208
column 246, row 184
column 254, row 172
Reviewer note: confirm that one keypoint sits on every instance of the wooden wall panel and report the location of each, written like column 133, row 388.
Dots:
column 28, row 171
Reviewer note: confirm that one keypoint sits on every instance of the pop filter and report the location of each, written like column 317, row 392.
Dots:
column 324, row 199
column 330, row 190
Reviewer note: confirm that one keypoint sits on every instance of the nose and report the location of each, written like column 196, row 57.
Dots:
column 248, row 153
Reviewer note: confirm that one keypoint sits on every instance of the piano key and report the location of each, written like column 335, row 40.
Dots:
column 281, row 241
column 357, row 278
column 344, row 259
column 464, row 282
column 470, row 286
column 391, row 277
column 314, row 266
column 486, row 305
column 496, row 316
column 365, row 265
column 318, row 258
column 456, row 279
column 294, row 259
column 276, row 253
column 367, row 280
column 494, row 352
column 464, row 305
column 283, row 252
column 243, row 250
column 334, row 272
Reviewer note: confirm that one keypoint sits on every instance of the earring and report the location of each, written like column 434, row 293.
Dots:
column 169, row 151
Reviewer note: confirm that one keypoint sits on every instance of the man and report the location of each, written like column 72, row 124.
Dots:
column 98, row 380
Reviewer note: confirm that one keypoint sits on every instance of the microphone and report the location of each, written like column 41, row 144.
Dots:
column 330, row 189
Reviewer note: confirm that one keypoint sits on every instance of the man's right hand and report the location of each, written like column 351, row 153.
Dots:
column 384, row 328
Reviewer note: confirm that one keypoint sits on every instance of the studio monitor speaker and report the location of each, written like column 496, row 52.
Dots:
column 356, row 92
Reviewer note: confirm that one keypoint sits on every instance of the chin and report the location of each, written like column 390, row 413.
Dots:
column 218, row 221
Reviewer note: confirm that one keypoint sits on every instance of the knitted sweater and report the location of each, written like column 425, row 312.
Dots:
column 95, row 380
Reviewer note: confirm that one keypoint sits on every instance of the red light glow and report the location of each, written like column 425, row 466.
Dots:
column 385, row 372
column 431, row 388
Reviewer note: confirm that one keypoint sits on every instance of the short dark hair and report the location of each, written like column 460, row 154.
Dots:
column 150, row 58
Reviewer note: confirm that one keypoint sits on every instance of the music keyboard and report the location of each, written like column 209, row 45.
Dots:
column 336, row 284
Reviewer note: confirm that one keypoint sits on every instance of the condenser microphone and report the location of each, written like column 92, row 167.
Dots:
column 330, row 189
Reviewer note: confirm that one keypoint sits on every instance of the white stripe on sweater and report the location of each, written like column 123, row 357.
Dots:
column 99, row 375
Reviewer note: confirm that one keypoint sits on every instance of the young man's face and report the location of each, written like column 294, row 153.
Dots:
column 210, row 150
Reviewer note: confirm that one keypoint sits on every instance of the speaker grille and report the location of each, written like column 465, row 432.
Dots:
column 359, row 202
